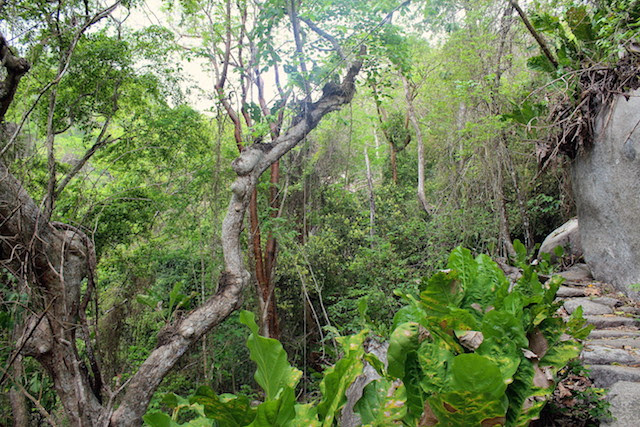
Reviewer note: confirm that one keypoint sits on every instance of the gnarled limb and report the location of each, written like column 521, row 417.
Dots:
column 249, row 166
column 55, row 262
column 16, row 67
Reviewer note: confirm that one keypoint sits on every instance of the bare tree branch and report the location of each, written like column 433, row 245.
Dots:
column 534, row 33
column 62, row 68
column 325, row 35
column 16, row 67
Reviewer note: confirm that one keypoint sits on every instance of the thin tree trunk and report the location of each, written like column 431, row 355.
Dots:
column 18, row 400
column 394, row 166
column 501, row 207
column 534, row 33
column 416, row 127
column 372, row 200
column 57, row 258
column 522, row 204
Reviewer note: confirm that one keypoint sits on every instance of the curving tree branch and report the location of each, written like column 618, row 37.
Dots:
column 253, row 161
column 16, row 67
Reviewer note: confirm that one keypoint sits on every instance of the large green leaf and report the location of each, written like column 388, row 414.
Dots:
column 475, row 393
column 409, row 313
column 403, row 340
column 274, row 373
column 525, row 399
column 276, row 413
column 383, row 403
column 434, row 360
column 306, row 415
column 462, row 261
column 504, row 339
column 458, row 319
column 442, row 290
column 159, row 419
column 227, row 410
column 532, row 383
column 489, row 282
column 577, row 326
column 340, row 376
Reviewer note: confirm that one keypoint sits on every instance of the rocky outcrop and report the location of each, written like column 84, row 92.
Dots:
column 606, row 185
column 566, row 236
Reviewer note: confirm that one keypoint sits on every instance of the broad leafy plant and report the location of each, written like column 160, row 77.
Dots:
column 585, row 34
column 471, row 351
column 278, row 380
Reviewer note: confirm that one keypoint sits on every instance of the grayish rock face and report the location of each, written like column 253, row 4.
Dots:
column 625, row 404
column 606, row 185
column 606, row 375
column 578, row 273
column 601, row 355
column 567, row 236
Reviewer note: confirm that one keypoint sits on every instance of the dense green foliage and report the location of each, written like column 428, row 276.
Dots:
column 278, row 381
column 473, row 350
column 153, row 196
column 468, row 351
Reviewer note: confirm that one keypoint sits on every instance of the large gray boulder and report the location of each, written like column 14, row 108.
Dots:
column 567, row 236
column 606, row 185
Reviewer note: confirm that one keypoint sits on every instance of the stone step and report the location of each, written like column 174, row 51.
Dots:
column 578, row 285
column 606, row 321
column 608, row 301
column 613, row 333
column 604, row 376
column 577, row 273
column 588, row 307
column 568, row 292
column 630, row 310
column 604, row 355
column 624, row 343
column 624, row 397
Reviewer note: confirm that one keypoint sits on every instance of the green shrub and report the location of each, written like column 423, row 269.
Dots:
column 471, row 352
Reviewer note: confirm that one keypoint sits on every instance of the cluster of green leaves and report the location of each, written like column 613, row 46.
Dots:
column 469, row 350
column 177, row 300
column 397, row 131
column 585, row 34
column 278, row 380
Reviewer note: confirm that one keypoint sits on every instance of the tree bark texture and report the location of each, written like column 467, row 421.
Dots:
column 55, row 261
column 372, row 199
column 16, row 67
column 253, row 161
column 18, row 400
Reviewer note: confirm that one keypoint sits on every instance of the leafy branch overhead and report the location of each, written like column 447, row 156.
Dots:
column 595, row 55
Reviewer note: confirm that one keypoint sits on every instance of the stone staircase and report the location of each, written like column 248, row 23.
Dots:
column 612, row 350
